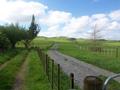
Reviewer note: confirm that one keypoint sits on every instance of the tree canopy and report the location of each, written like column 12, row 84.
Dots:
column 11, row 34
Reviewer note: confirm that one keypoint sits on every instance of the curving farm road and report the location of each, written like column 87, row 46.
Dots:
column 79, row 68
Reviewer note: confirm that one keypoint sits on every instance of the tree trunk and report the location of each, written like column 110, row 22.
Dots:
column 26, row 43
column 13, row 45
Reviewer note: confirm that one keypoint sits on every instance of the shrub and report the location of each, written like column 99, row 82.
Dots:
column 4, row 42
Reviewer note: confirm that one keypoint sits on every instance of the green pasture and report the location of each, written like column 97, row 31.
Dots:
column 103, row 60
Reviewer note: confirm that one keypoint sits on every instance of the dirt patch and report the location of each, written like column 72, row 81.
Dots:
column 19, row 81
column 4, row 65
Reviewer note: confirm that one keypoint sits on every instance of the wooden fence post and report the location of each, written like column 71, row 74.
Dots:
column 46, row 62
column 93, row 83
column 72, row 80
column 117, row 52
column 58, row 76
column 52, row 79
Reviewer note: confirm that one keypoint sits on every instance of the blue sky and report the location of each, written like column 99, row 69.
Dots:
column 69, row 18
column 83, row 7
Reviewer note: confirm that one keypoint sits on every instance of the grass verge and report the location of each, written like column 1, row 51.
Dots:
column 35, row 77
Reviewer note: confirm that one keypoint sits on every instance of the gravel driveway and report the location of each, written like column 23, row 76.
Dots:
column 79, row 68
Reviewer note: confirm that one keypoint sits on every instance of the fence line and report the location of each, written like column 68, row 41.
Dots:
column 115, row 51
column 58, row 79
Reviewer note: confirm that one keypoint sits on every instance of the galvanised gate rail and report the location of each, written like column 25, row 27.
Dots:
column 109, row 79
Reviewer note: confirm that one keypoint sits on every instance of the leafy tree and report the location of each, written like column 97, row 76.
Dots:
column 14, row 33
column 31, row 33
column 4, row 41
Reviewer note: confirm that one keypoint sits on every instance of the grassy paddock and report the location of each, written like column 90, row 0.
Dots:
column 104, row 61
column 43, row 43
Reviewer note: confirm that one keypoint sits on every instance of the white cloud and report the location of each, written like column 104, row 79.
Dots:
column 115, row 15
column 56, row 18
column 101, row 22
column 20, row 10
column 59, row 23
column 68, row 25
column 114, row 26
column 76, row 25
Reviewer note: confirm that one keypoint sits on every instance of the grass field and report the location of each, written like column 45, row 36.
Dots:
column 35, row 76
column 42, row 43
column 106, row 61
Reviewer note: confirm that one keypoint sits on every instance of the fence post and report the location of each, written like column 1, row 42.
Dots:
column 48, row 60
column 52, row 79
column 92, row 83
column 116, row 52
column 58, row 76
column 45, row 63
column 72, row 80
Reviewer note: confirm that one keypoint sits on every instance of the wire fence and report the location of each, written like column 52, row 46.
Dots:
column 106, row 51
column 58, row 79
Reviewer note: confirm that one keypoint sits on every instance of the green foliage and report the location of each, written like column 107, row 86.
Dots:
column 11, row 34
column 4, row 42
column 31, row 33
column 33, row 29
column 14, row 33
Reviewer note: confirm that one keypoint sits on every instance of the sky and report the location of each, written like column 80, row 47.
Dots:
column 69, row 18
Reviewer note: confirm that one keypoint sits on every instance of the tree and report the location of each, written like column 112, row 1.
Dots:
column 31, row 33
column 14, row 33
column 95, row 39
column 4, row 42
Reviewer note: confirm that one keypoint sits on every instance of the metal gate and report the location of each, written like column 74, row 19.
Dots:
column 108, row 80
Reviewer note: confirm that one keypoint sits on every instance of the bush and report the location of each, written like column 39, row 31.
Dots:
column 4, row 42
